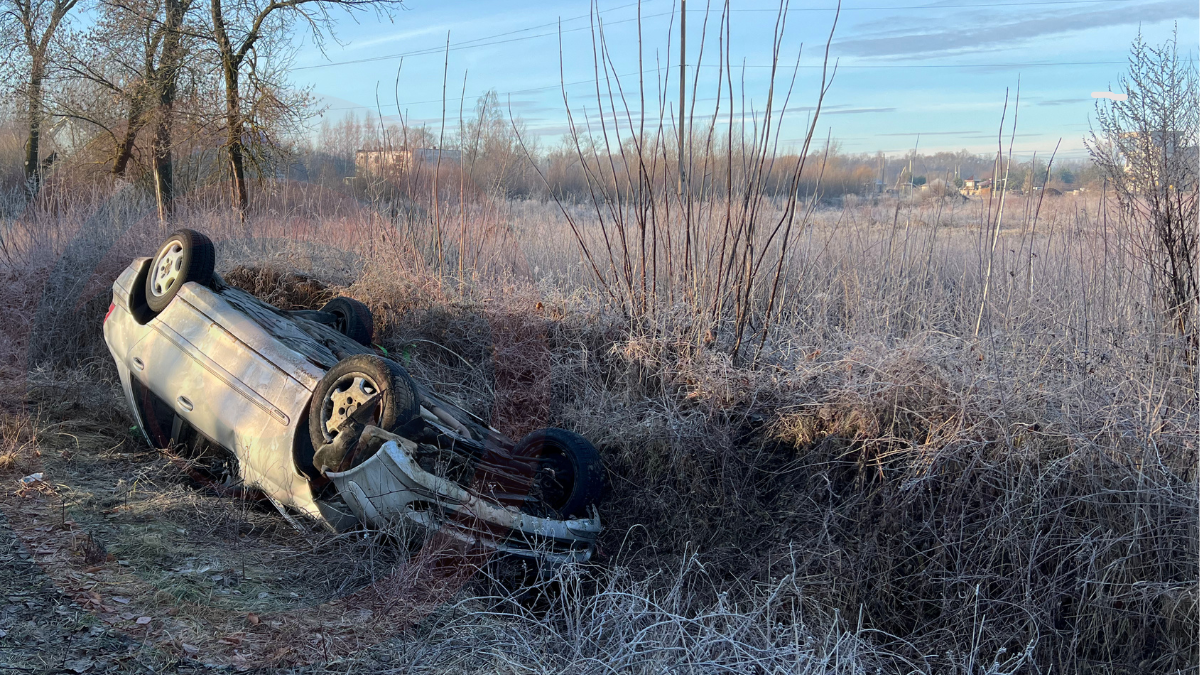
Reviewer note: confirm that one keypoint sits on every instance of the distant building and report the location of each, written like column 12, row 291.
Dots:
column 972, row 187
column 384, row 162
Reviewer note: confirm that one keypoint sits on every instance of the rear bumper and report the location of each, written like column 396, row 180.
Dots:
column 390, row 486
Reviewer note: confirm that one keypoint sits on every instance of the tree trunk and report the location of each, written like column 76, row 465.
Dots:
column 168, row 68
column 233, row 120
column 230, row 63
column 125, row 148
column 33, row 171
column 164, row 178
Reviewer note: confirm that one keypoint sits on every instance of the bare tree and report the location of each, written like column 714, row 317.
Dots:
column 237, row 29
column 491, row 152
column 162, row 24
column 133, row 53
column 34, row 24
column 1146, row 147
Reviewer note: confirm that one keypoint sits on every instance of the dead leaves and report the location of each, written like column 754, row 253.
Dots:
column 216, row 632
column 80, row 665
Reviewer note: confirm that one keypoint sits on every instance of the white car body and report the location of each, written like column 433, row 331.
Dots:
column 241, row 373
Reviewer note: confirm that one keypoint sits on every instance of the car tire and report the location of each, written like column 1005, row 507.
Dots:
column 570, row 476
column 185, row 256
column 354, row 319
column 340, row 392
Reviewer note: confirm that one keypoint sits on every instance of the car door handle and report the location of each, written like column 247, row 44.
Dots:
column 184, row 403
column 138, row 363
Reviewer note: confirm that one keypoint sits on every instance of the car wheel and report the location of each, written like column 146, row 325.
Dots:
column 570, row 476
column 185, row 256
column 354, row 319
column 362, row 379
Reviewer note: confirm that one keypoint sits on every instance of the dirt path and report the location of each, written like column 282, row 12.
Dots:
column 116, row 562
column 43, row 630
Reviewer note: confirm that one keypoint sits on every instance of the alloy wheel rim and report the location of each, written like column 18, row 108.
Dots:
column 343, row 399
column 168, row 269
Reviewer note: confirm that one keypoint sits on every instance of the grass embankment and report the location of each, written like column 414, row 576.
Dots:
column 880, row 487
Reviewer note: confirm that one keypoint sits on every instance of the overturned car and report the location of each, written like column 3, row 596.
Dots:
column 298, row 406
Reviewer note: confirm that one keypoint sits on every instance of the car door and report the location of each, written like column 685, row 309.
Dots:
column 222, row 388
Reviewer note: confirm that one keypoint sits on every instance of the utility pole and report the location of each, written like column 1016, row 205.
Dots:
column 682, row 81
column 910, row 176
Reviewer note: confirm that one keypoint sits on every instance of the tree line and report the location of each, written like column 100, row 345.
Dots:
column 196, row 91
column 501, row 156
column 121, row 72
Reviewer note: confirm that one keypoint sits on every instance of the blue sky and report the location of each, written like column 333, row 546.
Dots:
column 906, row 67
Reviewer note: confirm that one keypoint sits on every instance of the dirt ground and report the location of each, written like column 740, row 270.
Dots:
column 118, row 561
column 43, row 630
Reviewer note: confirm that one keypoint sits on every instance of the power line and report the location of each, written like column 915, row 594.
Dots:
column 490, row 41
column 990, row 5
column 533, row 90
column 466, row 44
column 551, row 23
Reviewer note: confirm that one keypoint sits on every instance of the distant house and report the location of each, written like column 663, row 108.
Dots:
column 972, row 187
column 384, row 162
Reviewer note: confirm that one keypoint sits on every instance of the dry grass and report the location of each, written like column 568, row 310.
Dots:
column 882, row 489
column 17, row 440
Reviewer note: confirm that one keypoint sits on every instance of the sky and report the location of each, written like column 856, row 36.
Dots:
column 910, row 73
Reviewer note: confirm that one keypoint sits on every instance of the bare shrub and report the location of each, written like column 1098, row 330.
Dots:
column 286, row 290
column 576, row 620
column 715, row 242
column 1147, row 148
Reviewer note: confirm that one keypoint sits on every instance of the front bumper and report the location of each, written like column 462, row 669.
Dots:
column 390, row 485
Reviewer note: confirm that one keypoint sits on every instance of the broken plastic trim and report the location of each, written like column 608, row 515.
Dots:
column 390, row 485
